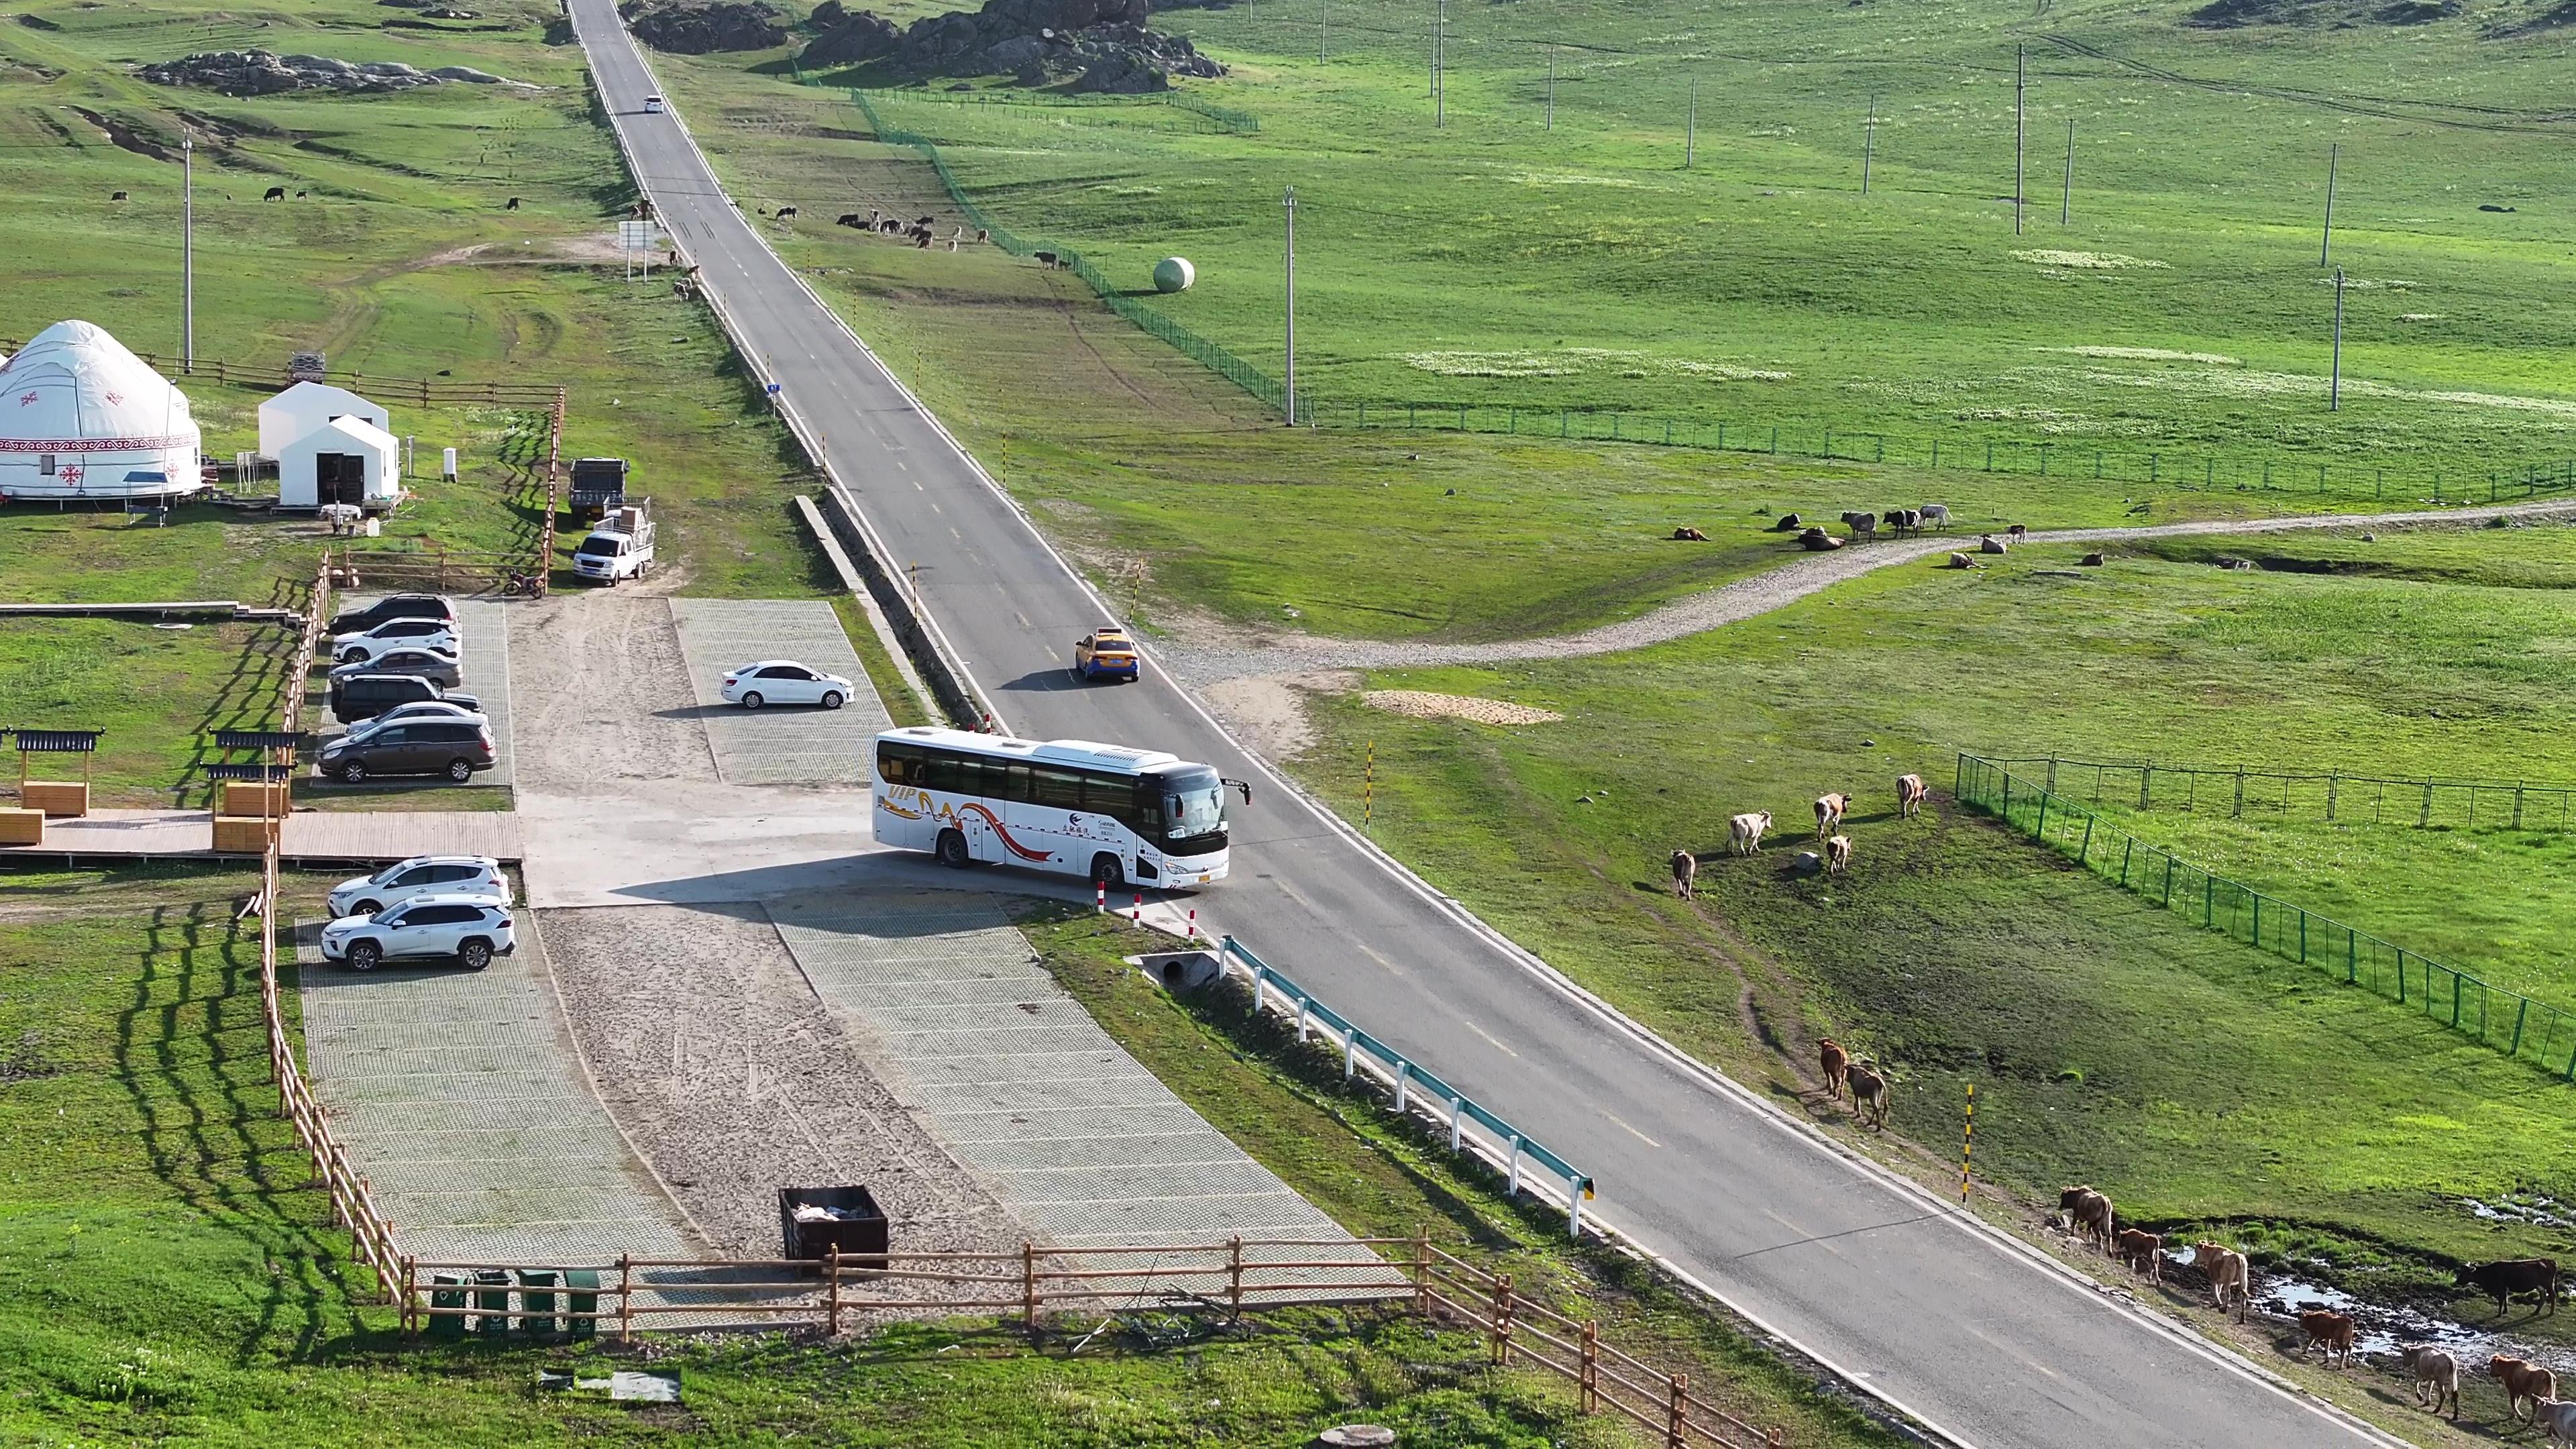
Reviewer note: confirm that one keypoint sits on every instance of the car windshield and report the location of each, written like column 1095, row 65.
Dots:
column 386, row 876
column 1193, row 802
column 598, row 547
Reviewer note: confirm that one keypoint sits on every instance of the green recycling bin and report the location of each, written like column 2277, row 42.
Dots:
column 583, row 1303
column 447, row 1291
column 536, row 1297
column 492, row 1301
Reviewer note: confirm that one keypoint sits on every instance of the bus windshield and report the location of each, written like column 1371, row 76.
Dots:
column 1193, row 804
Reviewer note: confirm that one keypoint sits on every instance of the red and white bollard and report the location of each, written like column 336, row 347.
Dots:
column 1138, row 917
column 1101, row 902
column 1194, row 925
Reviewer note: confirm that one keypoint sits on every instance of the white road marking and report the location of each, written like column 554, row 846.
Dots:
column 1489, row 1037
column 1631, row 1131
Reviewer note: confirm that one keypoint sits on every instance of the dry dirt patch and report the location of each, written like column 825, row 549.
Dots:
column 1423, row 704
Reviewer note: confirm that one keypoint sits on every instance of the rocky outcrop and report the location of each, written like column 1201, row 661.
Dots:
column 259, row 73
column 1101, row 45
column 703, row 27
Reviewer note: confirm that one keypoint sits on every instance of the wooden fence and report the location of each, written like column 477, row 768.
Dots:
column 422, row 391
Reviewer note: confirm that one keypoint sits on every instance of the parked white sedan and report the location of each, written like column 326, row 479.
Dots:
column 394, row 634
column 784, row 681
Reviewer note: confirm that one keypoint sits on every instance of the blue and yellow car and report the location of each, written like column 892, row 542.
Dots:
column 1105, row 654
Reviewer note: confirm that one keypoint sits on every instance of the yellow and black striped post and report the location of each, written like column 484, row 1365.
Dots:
column 1968, row 1142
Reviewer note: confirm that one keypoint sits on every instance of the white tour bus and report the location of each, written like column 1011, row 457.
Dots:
column 1103, row 812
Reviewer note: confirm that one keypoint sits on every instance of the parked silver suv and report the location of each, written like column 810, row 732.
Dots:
column 478, row 876
column 467, row 929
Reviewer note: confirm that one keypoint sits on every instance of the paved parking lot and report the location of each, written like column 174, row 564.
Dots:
column 483, row 640
column 778, row 746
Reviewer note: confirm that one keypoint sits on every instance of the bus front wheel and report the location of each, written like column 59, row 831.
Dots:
column 952, row 850
column 1106, row 870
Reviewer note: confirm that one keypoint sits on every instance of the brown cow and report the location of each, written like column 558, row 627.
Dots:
column 1869, row 1093
column 1685, row 873
column 1911, row 792
column 2088, row 1213
column 1829, row 812
column 1836, row 1062
column 2330, row 1331
column 1838, row 855
column 2230, row 1276
column 2522, row 1381
column 2143, row 1252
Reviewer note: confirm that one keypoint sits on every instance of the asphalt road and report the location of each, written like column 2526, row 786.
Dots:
column 1970, row 1332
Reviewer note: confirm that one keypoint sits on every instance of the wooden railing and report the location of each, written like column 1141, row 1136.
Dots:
column 420, row 390
column 545, row 564
column 1519, row 1331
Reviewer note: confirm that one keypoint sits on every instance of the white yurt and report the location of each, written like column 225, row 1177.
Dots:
column 307, row 406
column 81, row 417
column 346, row 460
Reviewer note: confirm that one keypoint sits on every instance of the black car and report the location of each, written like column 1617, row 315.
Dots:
column 455, row 748
column 392, row 606
column 356, row 697
column 435, row 665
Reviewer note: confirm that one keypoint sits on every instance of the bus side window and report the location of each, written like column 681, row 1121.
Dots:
column 1008, row 781
column 899, row 764
column 1055, row 788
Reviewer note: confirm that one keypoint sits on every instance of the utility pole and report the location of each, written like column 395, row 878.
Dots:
column 1440, row 66
column 2325, row 247
column 2334, row 392
column 1690, row 130
column 1868, row 142
column 2021, row 116
column 187, row 254
column 1290, row 203
column 1551, row 88
column 2066, row 198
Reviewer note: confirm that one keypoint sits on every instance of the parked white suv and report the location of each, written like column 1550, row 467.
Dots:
column 475, row 876
column 468, row 929
column 392, row 634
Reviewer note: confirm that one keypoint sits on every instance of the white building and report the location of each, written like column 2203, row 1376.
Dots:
column 307, row 406
column 81, row 417
column 346, row 460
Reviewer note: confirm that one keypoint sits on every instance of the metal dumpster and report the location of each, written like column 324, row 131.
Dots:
column 446, row 1290
column 537, row 1297
column 492, row 1301
column 856, row 1225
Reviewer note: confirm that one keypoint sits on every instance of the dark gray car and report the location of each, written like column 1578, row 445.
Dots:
column 455, row 748
column 435, row 665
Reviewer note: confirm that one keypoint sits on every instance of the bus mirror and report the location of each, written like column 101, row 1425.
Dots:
column 1243, row 785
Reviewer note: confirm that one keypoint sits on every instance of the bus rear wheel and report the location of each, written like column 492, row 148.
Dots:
column 1106, row 870
column 952, row 850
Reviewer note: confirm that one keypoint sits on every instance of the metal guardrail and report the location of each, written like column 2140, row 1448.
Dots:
column 1414, row 1090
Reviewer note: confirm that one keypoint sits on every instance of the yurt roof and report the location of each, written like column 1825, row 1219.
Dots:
column 75, row 389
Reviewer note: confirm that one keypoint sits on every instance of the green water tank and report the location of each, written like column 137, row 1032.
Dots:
column 1174, row 274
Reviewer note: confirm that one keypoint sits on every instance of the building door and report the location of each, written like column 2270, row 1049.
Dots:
column 339, row 478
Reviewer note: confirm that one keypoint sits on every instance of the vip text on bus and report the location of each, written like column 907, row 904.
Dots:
column 1103, row 812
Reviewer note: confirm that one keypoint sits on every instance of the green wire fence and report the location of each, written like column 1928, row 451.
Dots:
column 2508, row 1021
column 2329, row 795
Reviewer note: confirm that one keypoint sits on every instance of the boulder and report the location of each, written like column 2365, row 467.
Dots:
column 703, row 27
column 259, row 73
column 1104, row 43
column 852, row 40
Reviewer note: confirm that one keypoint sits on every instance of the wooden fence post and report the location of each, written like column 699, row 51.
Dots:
column 1029, row 1285
column 410, row 1302
column 1676, row 1415
column 1234, row 1275
column 832, row 1299
column 1588, row 1378
column 1502, row 1326
column 625, row 1298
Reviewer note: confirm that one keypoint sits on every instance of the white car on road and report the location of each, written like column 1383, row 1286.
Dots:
column 784, row 681
column 394, row 634
column 468, row 929
column 478, row 876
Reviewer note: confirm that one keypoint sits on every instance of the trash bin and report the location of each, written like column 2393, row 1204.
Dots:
column 539, row 1305
column 446, row 1291
column 492, row 1301
column 846, row 1217
column 578, row 1302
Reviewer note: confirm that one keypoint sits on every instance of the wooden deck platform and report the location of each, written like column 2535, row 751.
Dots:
column 314, row 836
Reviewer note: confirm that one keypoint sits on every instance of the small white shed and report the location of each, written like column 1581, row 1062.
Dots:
column 306, row 406
column 346, row 460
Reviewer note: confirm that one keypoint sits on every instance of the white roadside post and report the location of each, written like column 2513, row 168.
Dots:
column 1456, row 1105
column 1513, row 1189
column 1403, row 1079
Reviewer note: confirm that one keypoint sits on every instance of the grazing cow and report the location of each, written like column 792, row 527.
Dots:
column 1894, row 518
column 275, row 193
column 2522, row 1381
column 923, row 220
column 890, row 226
column 1838, row 855
column 1862, row 525
column 1837, row 1064
column 1685, row 873
column 2428, row 1367
column 982, row 235
column 1960, row 561
column 847, row 218
column 2229, row 1276
column 1868, row 1092
column 1829, row 812
column 786, row 213
column 2330, row 1331
column 1936, row 514
column 2502, row 1279
column 1744, row 832
column 2557, row 1417
column 2089, row 1213
column 511, row 205
column 1816, row 540
column 1911, row 792
column 1988, row 543
column 1047, row 261
column 118, row 196
column 299, row 196
column 2144, row 1252
column 921, row 238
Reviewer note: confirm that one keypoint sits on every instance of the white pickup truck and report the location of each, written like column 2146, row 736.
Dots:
column 621, row 547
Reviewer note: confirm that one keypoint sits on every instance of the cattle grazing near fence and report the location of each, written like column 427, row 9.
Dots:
column 2522, row 1380
column 2502, row 1279
column 2332, row 1332
column 1685, row 873
column 275, row 193
column 1935, row 514
column 1836, row 1063
column 1047, row 261
column 2230, row 1277
column 1911, row 792
column 1868, row 1092
column 2144, row 1252
column 2428, row 1367
column 1838, row 855
column 847, row 218
column 2088, row 1214
column 1829, row 812
column 1744, row 832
